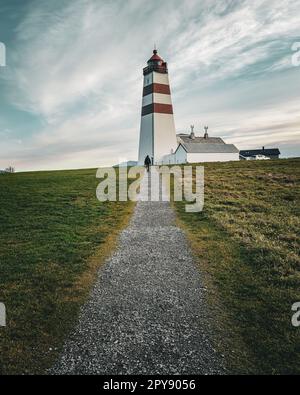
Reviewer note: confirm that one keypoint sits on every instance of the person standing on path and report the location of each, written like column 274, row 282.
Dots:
column 147, row 163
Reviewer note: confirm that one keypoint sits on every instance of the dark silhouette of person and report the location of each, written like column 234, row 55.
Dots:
column 147, row 163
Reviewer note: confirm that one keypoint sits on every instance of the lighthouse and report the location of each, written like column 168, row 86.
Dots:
column 157, row 133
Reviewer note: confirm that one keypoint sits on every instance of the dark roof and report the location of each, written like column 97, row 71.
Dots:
column 209, row 140
column 266, row 152
column 203, row 145
column 195, row 148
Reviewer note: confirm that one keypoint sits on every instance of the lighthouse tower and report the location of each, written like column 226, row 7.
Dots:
column 157, row 134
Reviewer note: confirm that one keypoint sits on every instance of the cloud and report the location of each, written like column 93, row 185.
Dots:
column 76, row 66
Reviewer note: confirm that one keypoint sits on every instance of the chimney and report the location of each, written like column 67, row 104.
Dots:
column 206, row 134
column 192, row 134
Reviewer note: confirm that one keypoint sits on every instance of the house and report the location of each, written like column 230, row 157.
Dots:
column 259, row 154
column 194, row 149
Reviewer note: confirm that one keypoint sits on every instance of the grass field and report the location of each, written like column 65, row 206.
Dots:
column 54, row 234
column 247, row 242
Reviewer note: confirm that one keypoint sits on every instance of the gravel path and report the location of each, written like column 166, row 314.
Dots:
column 146, row 313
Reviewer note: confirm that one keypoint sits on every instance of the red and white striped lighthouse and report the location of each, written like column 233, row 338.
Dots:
column 157, row 134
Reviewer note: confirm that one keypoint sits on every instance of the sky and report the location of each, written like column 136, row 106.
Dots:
column 71, row 90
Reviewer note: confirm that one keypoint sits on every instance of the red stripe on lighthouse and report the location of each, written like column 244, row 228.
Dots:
column 163, row 108
column 157, row 108
column 156, row 88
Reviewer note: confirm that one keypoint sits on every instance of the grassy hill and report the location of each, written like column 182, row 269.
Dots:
column 247, row 241
column 54, row 234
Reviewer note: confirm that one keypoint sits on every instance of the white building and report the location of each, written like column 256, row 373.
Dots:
column 192, row 149
column 157, row 134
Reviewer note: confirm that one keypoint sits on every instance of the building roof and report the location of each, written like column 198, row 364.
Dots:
column 155, row 57
column 208, row 148
column 185, row 138
column 209, row 145
column 265, row 151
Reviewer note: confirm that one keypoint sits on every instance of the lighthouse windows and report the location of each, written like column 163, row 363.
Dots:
column 148, row 80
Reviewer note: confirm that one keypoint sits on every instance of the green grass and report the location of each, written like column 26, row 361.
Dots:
column 247, row 242
column 54, row 234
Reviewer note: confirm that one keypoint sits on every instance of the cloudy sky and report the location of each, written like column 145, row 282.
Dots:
column 70, row 94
